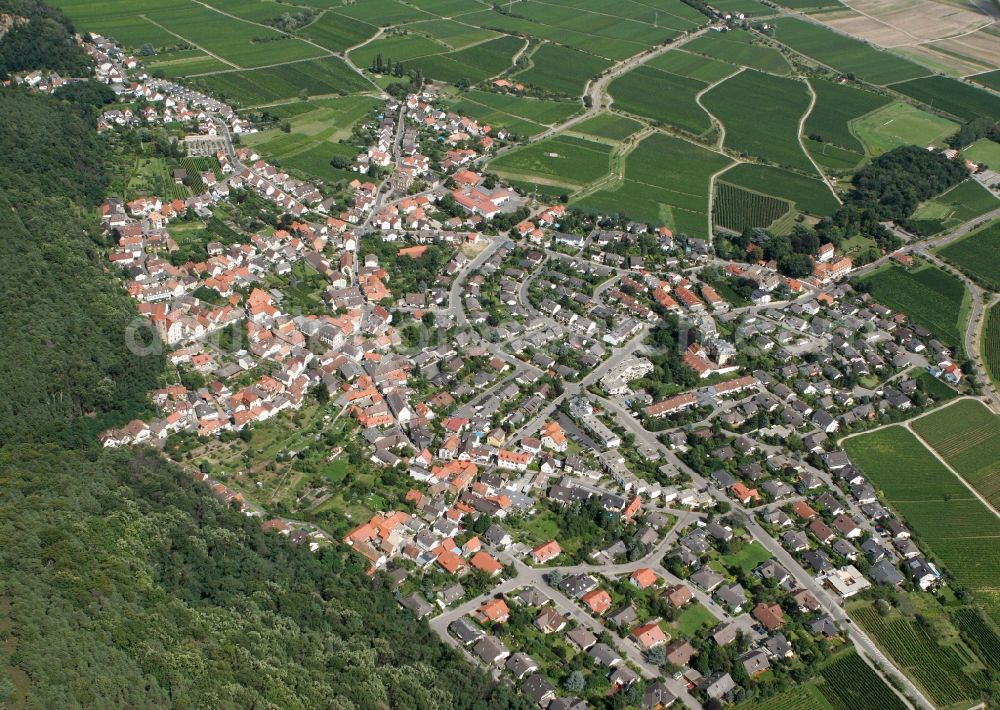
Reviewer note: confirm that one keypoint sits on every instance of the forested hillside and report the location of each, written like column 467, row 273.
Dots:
column 40, row 38
column 122, row 582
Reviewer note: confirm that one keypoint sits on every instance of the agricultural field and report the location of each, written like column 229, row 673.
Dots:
column 561, row 160
column 239, row 43
column 833, row 159
column 665, row 182
column 962, row 203
column 608, row 125
column 473, row 64
column 837, row 106
column 984, row 151
column 520, row 115
column 807, row 194
column 976, row 254
column 454, row 34
column 737, row 208
column 693, row 66
column 317, row 126
column 927, row 295
column 961, row 100
column 804, row 696
column 396, row 48
column 902, row 124
column 747, row 7
column 337, row 32
column 989, row 79
column 845, row 54
column 991, row 344
column 614, row 32
column 560, row 69
column 661, row 96
column 956, row 527
column 850, row 684
column 736, row 103
column 938, row 669
column 384, row 12
column 262, row 86
column 737, row 47
column 967, row 435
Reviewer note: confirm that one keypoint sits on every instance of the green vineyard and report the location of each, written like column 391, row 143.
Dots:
column 938, row 669
column 980, row 635
column 991, row 343
column 737, row 209
column 851, row 684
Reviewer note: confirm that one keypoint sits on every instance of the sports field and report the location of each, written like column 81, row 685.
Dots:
column 984, row 151
column 954, row 525
column 967, row 435
column 976, row 254
column 902, row 124
column 737, row 103
column 808, row 194
column 845, row 54
column 927, row 295
column 665, row 182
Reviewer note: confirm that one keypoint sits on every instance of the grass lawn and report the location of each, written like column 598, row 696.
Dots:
column 901, row 124
column 692, row 619
column 747, row 558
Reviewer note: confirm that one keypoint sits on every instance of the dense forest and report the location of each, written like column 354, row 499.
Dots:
column 123, row 583
column 41, row 37
column 888, row 189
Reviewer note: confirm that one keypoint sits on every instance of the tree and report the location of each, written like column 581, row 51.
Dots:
column 147, row 50
column 575, row 682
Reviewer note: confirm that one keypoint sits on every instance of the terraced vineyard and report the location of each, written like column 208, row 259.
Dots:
column 939, row 670
column 736, row 208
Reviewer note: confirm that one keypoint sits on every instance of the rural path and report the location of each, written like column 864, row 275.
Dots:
column 596, row 90
column 908, row 426
column 213, row 55
column 719, row 125
column 802, row 143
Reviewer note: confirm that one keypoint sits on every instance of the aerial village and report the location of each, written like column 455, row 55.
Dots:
column 611, row 474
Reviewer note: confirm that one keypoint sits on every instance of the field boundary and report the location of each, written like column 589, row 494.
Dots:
column 908, row 426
